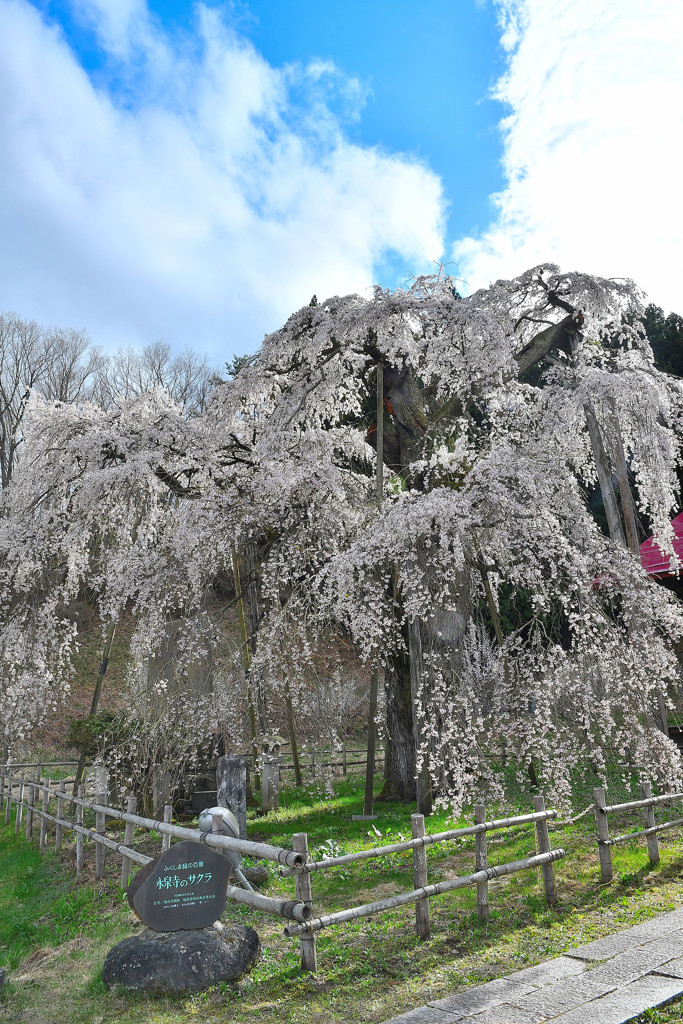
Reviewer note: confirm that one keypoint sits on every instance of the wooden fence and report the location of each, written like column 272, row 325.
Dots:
column 422, row 891
column 647, row 804
column 34, row 797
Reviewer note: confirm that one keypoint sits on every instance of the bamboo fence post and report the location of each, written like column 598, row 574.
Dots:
column 344, row 759
column 481, row 864
column 8, row 805
column 29, row 809
column 79, row 835
column 2, row 789
column 128, row 837
column 166, row 839
column 307, row 947
column 59, row 830
column 20, row 806
column 43, row 818
column 100, row 824
column 422, row 926
column 543, row 840
column 649, row 816
column 603, row 835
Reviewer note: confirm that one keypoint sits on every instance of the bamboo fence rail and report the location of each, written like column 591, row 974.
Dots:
column 416, row 895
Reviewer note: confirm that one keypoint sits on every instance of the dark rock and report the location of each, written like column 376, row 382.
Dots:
column 161, row 963
column 258, row 875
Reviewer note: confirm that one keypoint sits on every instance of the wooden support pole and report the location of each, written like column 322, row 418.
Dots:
column 543, row 843
column 480, row 864
column 8, row 805
column 2, row 789
column 20, row 806
column 368, row 804
column 344, row 759
column 59, row 830
column 79, row 836
column 166, row 839
column 128, row 837
column 649, row 819
column 43, row 820
column 422, row 926
column 29, row 810
column 100, row 823
column 602, row 824
column 307, row 944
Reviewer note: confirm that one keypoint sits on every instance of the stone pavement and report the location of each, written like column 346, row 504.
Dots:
column 608, row 981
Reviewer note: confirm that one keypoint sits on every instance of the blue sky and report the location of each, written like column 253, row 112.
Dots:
column 194, row 172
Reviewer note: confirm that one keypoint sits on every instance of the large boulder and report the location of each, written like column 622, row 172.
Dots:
column 162, row 963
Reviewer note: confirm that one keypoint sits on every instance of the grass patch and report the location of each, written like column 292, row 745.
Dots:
column 55, row 932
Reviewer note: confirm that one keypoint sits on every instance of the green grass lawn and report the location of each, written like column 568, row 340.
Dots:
column 55, row 931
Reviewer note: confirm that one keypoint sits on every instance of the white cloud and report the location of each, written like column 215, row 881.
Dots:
column 204, row 200
column 593, row 144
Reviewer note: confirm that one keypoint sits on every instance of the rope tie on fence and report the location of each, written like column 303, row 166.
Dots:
column 571, row 821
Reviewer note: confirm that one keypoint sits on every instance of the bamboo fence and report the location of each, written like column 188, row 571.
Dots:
column 647, row 804
column 28, row 791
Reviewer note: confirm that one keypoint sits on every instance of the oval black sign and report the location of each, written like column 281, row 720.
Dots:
column 186, row 888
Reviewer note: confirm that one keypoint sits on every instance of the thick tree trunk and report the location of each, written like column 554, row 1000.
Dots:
column 400, row 764
column 604, row 470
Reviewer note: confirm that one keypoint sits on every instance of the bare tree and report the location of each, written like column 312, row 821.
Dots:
column 60, row 364
column 188, row 377
column 71, row 371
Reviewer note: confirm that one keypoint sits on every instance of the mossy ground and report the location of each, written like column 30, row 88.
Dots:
column 55, row 930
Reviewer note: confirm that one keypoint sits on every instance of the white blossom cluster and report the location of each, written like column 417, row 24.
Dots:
column 143, row 508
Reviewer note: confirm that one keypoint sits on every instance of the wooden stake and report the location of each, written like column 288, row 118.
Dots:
column 166, row 839
column 292, row 735
column 649, row 819
column 43, row 820
column 481, row 863
column 307, row 945
column 246, row 656
column 8, row 805
column 372, row 737
column 101, row 672
column 100, row 822
column 79, row 836
column 29, row 810
column 543, row 841
column 20, row 807
column 603, row 835
column 422, row 926
column 128, row 837
column 59, row 829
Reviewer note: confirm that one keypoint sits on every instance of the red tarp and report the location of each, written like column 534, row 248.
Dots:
column 654, row 561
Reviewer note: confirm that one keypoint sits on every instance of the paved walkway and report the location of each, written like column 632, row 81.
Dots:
column 608, row 981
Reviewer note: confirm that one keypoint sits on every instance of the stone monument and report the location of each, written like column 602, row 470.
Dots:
column 180, row 897
column 231, row 786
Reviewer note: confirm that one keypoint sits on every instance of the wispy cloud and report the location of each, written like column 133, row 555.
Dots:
column 188, row 189
column 592, row 144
